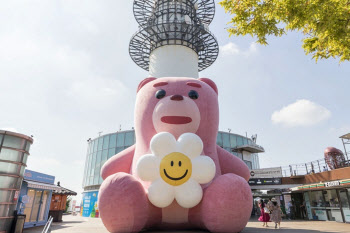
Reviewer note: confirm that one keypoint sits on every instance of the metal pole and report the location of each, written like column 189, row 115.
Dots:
column 346, row 153
column 306, row 169
column 318, row 162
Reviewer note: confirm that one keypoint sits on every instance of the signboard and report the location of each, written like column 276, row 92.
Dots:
column 265, row 181
column 266, row 172
column 332, row 183
column 89, row 207
column 38, row 177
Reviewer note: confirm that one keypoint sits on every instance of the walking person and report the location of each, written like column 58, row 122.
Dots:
column 276, row 213
column 264, row 216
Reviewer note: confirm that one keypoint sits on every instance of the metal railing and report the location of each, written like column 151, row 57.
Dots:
column 308, row 168
column 47, row 228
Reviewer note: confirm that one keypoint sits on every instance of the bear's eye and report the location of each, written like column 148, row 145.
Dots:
column 193, row 94
column 160, row 94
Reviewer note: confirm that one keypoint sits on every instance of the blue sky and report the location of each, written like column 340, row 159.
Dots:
column 66, row 75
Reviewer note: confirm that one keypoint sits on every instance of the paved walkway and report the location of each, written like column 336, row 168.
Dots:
column 77, row 224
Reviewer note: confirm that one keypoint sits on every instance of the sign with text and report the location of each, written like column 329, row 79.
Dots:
column 38, row 177
column 332, row 183
column 271, row 172
column 265, row 181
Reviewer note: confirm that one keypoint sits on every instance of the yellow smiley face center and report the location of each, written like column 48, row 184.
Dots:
column 175, row 168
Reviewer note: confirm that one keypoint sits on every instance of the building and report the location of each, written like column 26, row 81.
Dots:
column 14, row 152
column 102, row 148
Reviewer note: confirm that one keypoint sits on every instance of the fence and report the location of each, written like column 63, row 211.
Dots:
column 308, row 168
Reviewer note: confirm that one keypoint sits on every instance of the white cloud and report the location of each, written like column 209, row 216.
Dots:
column 301, row 113
column 233, row 49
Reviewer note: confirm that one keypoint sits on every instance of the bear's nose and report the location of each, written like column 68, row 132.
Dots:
column 177, row 97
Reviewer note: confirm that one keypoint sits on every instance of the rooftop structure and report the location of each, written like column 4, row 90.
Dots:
column 174, row 38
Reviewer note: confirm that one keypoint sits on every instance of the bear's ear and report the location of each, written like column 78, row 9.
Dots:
column 210, row 83
column 144, row 82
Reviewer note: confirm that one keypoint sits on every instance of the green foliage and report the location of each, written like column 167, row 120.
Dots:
column 67, row 204
column 325, row 23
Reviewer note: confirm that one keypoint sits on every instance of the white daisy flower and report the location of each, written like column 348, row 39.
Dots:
column 176, row 170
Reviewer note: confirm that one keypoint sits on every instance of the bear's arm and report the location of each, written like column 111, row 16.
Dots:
column 120, row 162
column 231, row 164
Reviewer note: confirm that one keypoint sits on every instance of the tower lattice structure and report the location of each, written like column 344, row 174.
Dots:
column 174, row 22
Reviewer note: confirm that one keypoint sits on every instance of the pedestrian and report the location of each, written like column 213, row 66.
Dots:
column 303, row 210
column 276, row 213
column 291, row 210
column 264, row 216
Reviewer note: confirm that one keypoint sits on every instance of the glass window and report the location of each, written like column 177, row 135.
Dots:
column 12, row 155
column 119, row 149
column 250, row 142
column 104, row 157
column 120, row 139
column 14, row 142
column 226, row 140
column 219, row 140
column 36, row 205
column 316, row 199
column 331, row 198
column 129, row 138
column 43, row 205
column 105, row 142
column 10, row 168
column 113, row 141
column 28, row 146
column 29, row 205
column 239, row 141
column 95, row 145
column 100, row 143
column 249, row 164
column 111, row 152
column 345, row 204
column 1, row 136
column 233, row 140
column 245, row 141
column 97, row 167
column 239, row 155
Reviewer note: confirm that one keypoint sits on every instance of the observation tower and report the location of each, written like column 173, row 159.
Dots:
column 173, row 37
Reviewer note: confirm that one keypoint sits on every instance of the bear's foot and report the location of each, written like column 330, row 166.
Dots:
column 123, row 204
column 227, row 204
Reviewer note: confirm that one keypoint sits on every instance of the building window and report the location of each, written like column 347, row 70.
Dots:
column 14, row 142
column 129, row 138
column 113, row 141
column 111, row 152
column 249, row 164
column 239, row 141
column 219, row 140
column 105, row 142
column 233, row 140
column 100, row 143
column 120, row 139
column 226, row 140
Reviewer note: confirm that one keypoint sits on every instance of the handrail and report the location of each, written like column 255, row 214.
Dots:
column 47, row 228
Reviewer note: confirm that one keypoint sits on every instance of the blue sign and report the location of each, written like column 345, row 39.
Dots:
column 90, row 208
column 38, row 177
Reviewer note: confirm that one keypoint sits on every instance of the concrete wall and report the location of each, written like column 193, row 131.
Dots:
column 173, row 61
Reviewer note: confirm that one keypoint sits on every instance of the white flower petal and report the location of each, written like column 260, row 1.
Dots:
column 163, row 144
column 161, row 194
column 147, row 167
column 203, row 169
column 190, row 144
column 188, row 194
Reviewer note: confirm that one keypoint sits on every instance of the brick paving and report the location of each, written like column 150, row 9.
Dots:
column 75, row 224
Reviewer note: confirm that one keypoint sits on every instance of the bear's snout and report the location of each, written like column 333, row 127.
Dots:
column 177, row 97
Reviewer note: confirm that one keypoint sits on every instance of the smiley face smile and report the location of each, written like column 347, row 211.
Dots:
column 171, row 178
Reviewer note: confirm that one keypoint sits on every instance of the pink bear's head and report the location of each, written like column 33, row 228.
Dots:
column 177, row 105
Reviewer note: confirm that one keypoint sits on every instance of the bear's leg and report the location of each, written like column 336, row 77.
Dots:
column 123, row 204
column 227, row 204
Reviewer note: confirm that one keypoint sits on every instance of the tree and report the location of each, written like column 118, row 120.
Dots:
column 325, row 23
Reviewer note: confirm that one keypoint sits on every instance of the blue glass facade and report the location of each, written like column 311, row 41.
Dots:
column 102, row 148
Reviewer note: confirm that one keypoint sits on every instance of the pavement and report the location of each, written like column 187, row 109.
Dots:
column 78, row 224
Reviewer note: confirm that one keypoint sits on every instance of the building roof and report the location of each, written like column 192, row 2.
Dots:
column 64, row 191
column 346, row 136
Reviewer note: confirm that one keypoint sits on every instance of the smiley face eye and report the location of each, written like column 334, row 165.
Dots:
column 160, row 94
column 180, row 163
column 172, row 163
column 193, row 94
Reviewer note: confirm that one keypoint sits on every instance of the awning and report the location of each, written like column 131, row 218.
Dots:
column 37, row 185
column 323, row 185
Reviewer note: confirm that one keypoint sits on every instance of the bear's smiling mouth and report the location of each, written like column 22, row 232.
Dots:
column 176, row 120
column 179, row 178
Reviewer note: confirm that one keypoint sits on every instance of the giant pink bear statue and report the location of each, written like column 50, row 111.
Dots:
column 166, row 105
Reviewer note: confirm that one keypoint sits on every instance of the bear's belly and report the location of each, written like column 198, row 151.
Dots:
column 174, row 214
